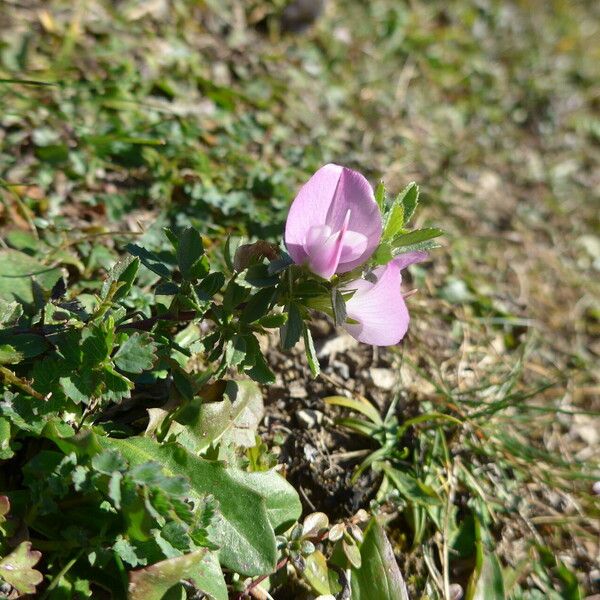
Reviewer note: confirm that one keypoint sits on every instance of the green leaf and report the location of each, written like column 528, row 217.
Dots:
column 251, row 504
column 417, row 236
column 150, row 260
column 26, row 344
column 383, row 255
column 490, row 582
column 153, row 582
column 190, row 252
column 395, row 221
column 317, row 573
column 311, row 353
column 16, row 272
column 124, row 273
column 338, row 305
column 411, row 488
column 136, row 354
column 10, row 313
column 9, row 356
column 6, row 451
column 378, row 577
column 208, row 577
column 292, row 330
column 233, row 419
column 257, row 306
column 127, row 552
column 17, row 568
column 361, row 405
column 409, row 198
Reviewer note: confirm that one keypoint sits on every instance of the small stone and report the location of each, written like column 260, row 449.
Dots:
column 297, row 390
column 342, row 369
column 384, row 379
column 335, row 345
column 456, row 591
column 309, row 418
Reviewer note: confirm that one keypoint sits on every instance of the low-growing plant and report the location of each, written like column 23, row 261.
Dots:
column 128, row 422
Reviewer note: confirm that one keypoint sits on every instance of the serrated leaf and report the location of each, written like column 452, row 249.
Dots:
column 378, row 577
column 136, row 354
column 17, row 568
column 380, row 196
column 409, row 198
column 127, row 553
column 108, row 462
column 383, row 255
column 394, row 222
column 415, row 237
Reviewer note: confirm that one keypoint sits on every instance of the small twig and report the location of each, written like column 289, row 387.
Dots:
column 10, row 378
column 256, row 582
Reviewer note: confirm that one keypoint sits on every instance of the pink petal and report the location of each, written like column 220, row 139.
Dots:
column 355, row 194
column 341, row 199
column 310, row 208
column 379, row 307
column 409, row 258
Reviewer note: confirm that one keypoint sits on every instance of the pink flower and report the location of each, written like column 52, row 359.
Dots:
column 378, row 306
column 334, row 223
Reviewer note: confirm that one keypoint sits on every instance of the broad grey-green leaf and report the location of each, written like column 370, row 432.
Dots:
column 153, row 582
column 247, row 538
column 16, row 272
column 233, row 419
column 378, row 577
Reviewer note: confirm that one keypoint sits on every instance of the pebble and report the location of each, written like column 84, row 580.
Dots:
column 335, row 345
column 309, row 418
column 297, row 390
column 384, row 379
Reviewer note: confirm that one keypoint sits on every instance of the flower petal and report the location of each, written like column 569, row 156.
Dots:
column 310, row 208
column 379, row 307
column 410, row 258
column 354, row 193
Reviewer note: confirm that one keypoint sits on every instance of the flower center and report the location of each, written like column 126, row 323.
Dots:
column 326, row 249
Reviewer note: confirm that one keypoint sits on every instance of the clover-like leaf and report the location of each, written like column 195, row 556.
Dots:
column 136, row 354
column 17, row 568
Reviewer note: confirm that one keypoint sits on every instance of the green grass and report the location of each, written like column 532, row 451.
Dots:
column 115, row 122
